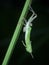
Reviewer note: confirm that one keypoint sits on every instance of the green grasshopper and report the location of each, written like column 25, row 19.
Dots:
column 27, row 30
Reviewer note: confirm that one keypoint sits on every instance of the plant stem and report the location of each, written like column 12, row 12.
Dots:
column 16, row 33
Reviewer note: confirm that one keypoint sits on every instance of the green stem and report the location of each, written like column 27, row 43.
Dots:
column 16, row 33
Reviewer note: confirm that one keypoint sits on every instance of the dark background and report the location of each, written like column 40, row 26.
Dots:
column 10, row 11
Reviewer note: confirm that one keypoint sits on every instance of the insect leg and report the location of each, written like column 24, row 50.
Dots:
column 33, row 17
column 23, row 44
column 30, row 8
column 32, row 55
column 25, row 20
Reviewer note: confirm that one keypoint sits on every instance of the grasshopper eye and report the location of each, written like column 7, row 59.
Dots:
column 24, row 29
column 30, row 24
